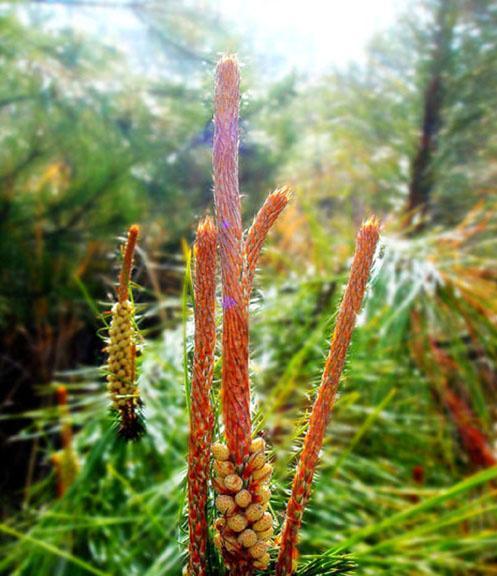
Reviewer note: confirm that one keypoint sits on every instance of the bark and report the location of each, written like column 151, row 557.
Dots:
column 422, row 179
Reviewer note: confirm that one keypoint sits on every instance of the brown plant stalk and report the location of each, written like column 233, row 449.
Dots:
column 65, row 461
column 201, row 418
column 244, row 530
column 235, row 387
column 366, row 242
column 238, row 257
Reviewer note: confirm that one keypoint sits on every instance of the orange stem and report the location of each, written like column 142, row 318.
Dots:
column 473, row 439
column 129, row 251
column 202, row 418
column 273, row 206
column 235, row 386
column 366, row 242
column 66, row 428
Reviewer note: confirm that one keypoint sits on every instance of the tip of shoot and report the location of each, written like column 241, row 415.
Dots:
column 134, row 230
column 61, row 393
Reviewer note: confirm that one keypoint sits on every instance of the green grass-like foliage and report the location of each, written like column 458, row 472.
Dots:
column 340, row 566
column 125, row 514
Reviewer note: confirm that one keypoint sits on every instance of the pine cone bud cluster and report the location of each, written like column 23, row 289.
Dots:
column 120, row 362
column 121, row 380
column 244, row 530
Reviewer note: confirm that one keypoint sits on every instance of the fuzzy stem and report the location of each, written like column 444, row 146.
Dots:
column 273, row 206
column 235, row 387
column 65, row 461
column 65, row 418
column 366, row 242
column 125, row 274
column 201, row 418
column 473, row 439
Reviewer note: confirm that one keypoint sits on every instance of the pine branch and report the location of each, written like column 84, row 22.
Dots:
column 235, row 388
column 366, row 242
column 202, row 418
column 328, row 566
column 121, row 349
column 273, row 206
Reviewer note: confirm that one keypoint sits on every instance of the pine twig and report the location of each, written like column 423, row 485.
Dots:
column 201, row 417
column 273, row 206
column 366, row 242
column 243, row 532
column 235, row 387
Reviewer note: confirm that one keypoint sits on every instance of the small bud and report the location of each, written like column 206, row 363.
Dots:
column 254, row 512
column 231, row 545
column 243, row 498
column 233, row 483
column 263, row 562
column 265, row 534
column 264, row 523
column 219, row 523
column 257, row 461
column 218, row 484
column 258, row 550
column 263, row 494
column 225, row 504
column 223, row 468
column 257, row 445
column 247, row 538
column 220, row 452
column 263, row 474
column 237, row 522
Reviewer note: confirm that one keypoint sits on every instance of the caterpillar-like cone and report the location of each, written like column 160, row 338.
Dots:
column 121, row 349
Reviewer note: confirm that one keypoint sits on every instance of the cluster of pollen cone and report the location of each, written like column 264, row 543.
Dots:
column 120, row 380
column 121, row 350
column 244, row 529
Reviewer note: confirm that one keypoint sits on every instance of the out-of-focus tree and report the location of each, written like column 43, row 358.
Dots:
column 465, row 163
column 413, row 127
column 438, row 68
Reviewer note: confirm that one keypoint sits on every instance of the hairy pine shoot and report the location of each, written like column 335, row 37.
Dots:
column 366, row 242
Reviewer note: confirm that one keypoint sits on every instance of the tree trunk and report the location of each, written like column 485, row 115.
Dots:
column 422, row 175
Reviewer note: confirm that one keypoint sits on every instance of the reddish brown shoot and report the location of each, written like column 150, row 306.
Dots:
column 366, row 242
column 129, row 251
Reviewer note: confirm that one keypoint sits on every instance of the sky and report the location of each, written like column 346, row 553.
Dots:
column 309, row 36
